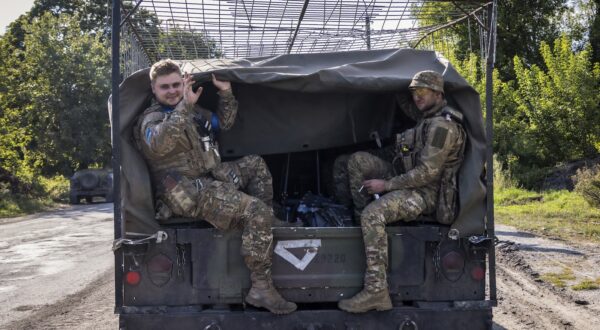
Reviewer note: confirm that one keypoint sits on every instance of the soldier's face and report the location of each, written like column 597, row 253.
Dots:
column 168, row 89
column 425, row 98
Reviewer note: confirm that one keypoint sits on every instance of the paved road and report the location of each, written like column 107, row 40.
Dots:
column 48, row 256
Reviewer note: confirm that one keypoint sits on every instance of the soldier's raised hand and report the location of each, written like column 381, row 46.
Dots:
column 222, row 85
column 189, row 96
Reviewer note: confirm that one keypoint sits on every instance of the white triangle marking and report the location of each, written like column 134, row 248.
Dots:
column 312, row 246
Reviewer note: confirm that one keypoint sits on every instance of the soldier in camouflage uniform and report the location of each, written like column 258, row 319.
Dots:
column 175, row 136
column 420, row 179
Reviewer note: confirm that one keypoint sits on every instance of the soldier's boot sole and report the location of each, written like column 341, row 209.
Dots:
column 280, row 308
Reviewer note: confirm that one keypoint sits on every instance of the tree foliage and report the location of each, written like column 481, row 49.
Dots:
column 560, row 103
column 53, row 100
column 521, row 27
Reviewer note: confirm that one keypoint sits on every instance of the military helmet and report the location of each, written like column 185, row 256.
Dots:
column 429, row 79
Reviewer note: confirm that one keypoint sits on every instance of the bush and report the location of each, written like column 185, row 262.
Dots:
column 587, row 184
column 56, row 187
column 503, row 179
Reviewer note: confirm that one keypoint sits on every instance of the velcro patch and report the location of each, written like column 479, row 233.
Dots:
column 439, row 137
column 169, row 183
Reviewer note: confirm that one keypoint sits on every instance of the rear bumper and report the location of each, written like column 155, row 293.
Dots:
column 471, row 317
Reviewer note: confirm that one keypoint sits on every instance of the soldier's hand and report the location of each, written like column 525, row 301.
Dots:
column 222, row 85
column 375, row 186
column 189, row 96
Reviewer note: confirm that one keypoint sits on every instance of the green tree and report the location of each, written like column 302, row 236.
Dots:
column 559, row 105
column 595, row 32
column 522, row 26
column 61, row 121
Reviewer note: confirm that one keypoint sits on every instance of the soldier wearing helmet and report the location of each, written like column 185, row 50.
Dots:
column 418, row 178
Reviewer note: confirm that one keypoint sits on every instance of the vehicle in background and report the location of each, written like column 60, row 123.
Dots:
column 90, row 183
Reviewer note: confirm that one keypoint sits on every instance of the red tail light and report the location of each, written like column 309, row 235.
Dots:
column 478, row 273
column 133, row 278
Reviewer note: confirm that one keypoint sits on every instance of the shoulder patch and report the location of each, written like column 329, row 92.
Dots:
column 439, row 137
column 148, row 136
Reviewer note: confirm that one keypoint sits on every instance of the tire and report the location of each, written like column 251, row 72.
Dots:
column 74, row 199
column 89, row 180
column 109, row 198
column 89, row 199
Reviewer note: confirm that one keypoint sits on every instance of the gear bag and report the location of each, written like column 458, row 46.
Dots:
column 447, row 206
column 318, row 211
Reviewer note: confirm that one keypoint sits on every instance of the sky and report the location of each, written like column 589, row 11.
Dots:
column 11, row 10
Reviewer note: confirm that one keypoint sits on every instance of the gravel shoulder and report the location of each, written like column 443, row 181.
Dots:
column 526, row 301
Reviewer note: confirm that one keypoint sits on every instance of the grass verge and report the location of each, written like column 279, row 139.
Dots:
column 14, row 206
column 561, row 214
column 45, row 194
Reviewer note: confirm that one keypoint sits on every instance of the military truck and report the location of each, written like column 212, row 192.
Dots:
column 90, row 183
column 300, row 111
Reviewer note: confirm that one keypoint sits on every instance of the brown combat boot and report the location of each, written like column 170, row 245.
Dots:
column 365, row 301
column 264, row 294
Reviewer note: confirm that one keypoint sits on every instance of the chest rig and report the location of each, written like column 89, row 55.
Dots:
column 411, row 142
column 193, row 154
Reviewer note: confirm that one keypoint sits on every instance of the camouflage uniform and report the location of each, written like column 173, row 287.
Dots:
column 438, row 141
column 424, row 155
column 193, row 182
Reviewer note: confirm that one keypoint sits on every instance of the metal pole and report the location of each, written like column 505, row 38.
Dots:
column 368, row 31
column 116, row 149
column 489, row 129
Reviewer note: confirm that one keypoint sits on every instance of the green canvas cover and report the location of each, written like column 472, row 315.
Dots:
column 300, row 102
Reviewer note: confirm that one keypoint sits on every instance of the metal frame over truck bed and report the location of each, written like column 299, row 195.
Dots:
column 150, row 30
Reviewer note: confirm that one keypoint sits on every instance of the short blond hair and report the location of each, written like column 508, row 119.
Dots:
column 163, row 68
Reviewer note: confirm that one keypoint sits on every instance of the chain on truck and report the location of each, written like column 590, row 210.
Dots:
column 315, row 79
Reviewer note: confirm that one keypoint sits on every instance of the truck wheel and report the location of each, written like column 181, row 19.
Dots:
column 89, row 199
column 74, row 199
column 109, row 198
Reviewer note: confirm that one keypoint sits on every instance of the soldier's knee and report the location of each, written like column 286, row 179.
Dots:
column 372, row 215
column 254, row 209
column 256, row 160
column 356, row 161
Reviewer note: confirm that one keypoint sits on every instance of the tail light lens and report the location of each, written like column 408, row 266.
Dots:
column 453, row 265
column 478, row 273
column 160, row 268
column 133, row 278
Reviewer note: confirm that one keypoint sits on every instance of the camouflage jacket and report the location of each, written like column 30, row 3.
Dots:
column 170, row 141
column 425, row 151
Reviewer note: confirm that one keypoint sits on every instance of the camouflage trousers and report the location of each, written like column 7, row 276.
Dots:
column 397, row 205
column 347, row 175
column 238, row 196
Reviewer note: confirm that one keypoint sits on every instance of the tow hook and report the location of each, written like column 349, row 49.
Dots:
column 408, row 324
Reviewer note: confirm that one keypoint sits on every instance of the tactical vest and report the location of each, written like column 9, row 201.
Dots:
column 187, row 158
column 409, row 145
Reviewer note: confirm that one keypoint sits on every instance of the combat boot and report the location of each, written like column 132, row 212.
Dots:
column 264, row 294
column 365, row 301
